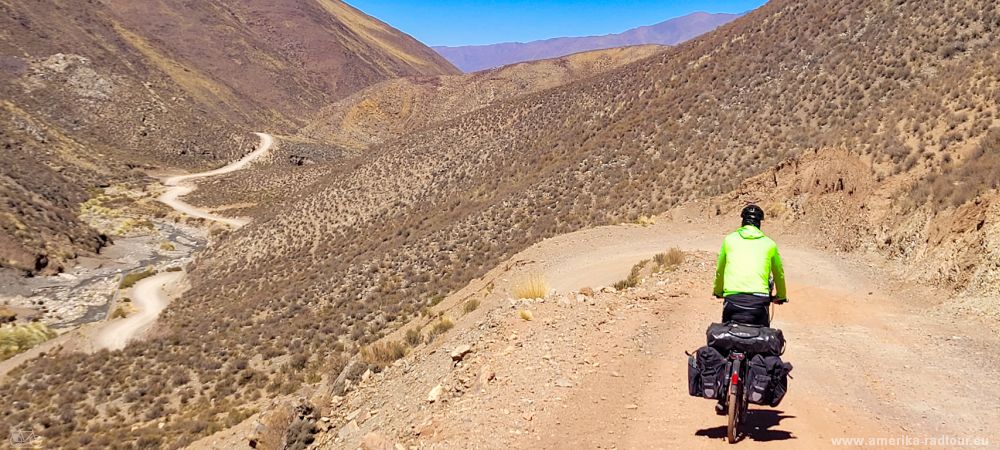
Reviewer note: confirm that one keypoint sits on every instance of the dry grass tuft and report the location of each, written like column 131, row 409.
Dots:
column 15, row 339
column 131, row 279
column 443, row 324
column 414, row 337
column 669, row 260
column 645, row 221
column 526, row 314
column 633, row 276
column 470, row 305
column 535, row 286
column 382, row 354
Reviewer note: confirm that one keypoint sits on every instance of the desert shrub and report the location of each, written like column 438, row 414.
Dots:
column 119, row 313
column 471, row 305
column 15, row 339
column 526, row 314
column 167, row 246
column 645, row 221
column 383, row 353
column 413, row 336
column 535, row 286
column 669, row 259
column 301, row 433
column 131, row 279
column 441, row 326
column 633, row 277
column 955, row 186
column 173, row 269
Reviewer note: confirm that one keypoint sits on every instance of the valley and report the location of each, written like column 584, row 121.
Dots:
column 511, row 258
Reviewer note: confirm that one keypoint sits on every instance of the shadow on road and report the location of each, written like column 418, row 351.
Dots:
column 759, row 427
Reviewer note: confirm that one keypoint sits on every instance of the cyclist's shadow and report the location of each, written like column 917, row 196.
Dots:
column 758, row 427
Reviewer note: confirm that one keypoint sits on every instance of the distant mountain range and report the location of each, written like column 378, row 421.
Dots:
column 471, row 58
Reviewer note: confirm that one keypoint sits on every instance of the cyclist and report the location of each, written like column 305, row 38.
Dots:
column 747, row 262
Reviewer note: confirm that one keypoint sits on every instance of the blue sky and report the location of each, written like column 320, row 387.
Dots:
column 474, row 22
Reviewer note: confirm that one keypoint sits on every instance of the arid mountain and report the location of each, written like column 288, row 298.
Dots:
column 89, row 94
column 871, row 123
column 290, row 57
column 471, row 58
column 396, row 107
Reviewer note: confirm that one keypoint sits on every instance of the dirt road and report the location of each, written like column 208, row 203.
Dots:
column 150, row 296
column 873, row 358
column 179, row 186
column 153, row 294
column 870, row 361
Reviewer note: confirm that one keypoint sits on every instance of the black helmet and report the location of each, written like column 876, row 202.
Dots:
column 752, row 215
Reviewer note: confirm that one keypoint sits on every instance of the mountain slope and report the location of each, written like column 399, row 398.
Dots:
column 843, row 111
column 92, row 95
column 396, row 107
column 473, row 58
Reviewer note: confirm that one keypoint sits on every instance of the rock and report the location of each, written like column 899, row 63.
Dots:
column 486, row 376
column 435, row 394
column 563, row 382
column 609, row 289
column 376, row 441
column 631, row 406
column 7, row 315
column 348, row 431
column 589, row 292
column 429, row 427
column 365, row 376
column 458, row 353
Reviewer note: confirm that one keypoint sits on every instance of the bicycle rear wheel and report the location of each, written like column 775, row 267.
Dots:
column 735, row 407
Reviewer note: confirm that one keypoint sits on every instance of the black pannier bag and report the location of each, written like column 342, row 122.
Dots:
column 767, row 380
column 706, row 370
column 746, row 338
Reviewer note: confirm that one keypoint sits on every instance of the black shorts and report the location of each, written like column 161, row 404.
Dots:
column 747, row 309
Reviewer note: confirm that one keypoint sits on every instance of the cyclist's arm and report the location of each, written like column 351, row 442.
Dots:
column 720, row 270
column 779, row 276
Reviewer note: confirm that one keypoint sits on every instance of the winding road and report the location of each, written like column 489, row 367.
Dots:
column 152, row 294
column 178, row 186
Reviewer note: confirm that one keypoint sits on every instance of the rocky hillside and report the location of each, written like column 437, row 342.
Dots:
column 894, row 101
column 90, row 94
column 472, row 58
column 397, row 107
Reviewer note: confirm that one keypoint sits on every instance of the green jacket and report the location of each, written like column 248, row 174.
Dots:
column 746, row 260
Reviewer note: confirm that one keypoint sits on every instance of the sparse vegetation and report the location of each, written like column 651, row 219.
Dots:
column 119, row 313
column 374, row 246
column 669, row 260
column 470, row 305
column 413, row 336
column 440, row 327
column 131, row 279
column 16, row 338
column 526, row 314
column 167, row 246
column 633, row 277
column 383, row 353
column 534, row 286
column 645, row 221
